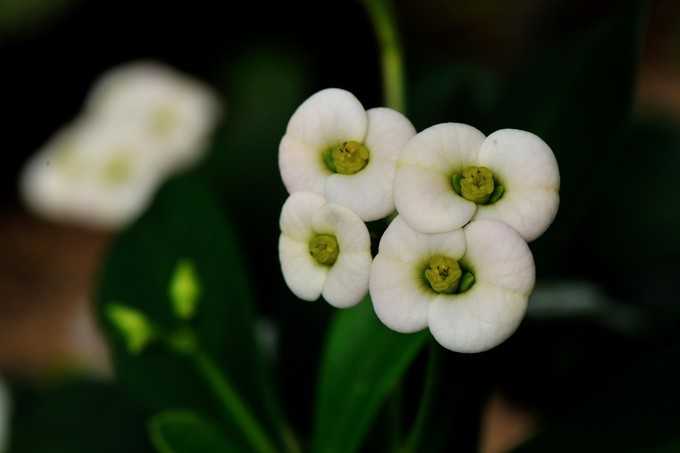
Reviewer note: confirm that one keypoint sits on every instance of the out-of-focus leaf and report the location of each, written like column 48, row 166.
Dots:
column 20, row 15
column 635, row 412
column 637, row 221
column 362, row 363
column 564, row 300
column 263, row 87
column 75, row 417
column 460, row 93
column 578, row 99
column 186, row 432
column 184, row 224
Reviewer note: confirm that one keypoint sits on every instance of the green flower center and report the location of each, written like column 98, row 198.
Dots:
column 347, row 158
column 445, row 275
column 324, row 249
column 477, row 184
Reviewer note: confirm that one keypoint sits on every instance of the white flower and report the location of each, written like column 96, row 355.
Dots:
column 172, row 113
column 91, row 175
column 450, row 174
column 4, row 416
column 469, row 286
column 324, row 249
column 335, row 148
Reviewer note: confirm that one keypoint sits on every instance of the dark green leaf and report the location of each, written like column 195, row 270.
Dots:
column 77, row 416
column 578, row 100
column 184, row 223
column 637, row 219
column 186, row 432
column 362, row 364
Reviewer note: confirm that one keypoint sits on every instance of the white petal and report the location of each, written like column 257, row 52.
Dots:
column 369, row 193
column 136, row 95
column 521, row 160
column 526, row 166
column 347, row 281
column 66, row 180
column 499, row 257
column 302, row 274
column 302, row 168
column 529, row 212
column 403, row 243
column 400, row 299
column 477, row 320
column 444, row 148
column 348, row 228
column 388, row 133
column 422, row 188
column 297, row 215
column 426, row 200
column 4, row 416
column 327, row 118
column 399, row 293
column 451, row 244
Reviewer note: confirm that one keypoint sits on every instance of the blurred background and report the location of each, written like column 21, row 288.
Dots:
column 597, row 80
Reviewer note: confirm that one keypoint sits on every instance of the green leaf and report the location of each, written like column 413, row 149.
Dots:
column 75, row 416
column 186, row 432
column 362, row 363
column 184, row 223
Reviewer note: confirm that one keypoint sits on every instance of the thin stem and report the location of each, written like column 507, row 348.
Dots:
column 231, row 402
column 381, row 13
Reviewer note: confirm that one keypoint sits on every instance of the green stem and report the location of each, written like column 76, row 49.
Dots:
column 381, row 13
column 231, row 402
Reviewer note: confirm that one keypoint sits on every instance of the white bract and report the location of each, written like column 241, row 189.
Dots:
column 335, row 148
column 171, row 112
column 4, row 416
column 324, row 249
column 470, row 286
column 91, row 175
column 450, row 174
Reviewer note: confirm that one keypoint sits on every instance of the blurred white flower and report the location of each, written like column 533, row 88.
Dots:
column 5, row 408
column 333, row 147
column 469, row 286
column 91, row 175
column 324, row 249
column 171, row 112
column 142, row 122
column 450, row 174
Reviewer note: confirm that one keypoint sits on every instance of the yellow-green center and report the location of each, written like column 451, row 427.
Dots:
column 117, row 170
column 478, row 185
column 324, row 249
column 445, row 275
column 347, row 158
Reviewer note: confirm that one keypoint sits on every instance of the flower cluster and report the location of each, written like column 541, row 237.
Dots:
column 455, row 258
column 141, row 122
